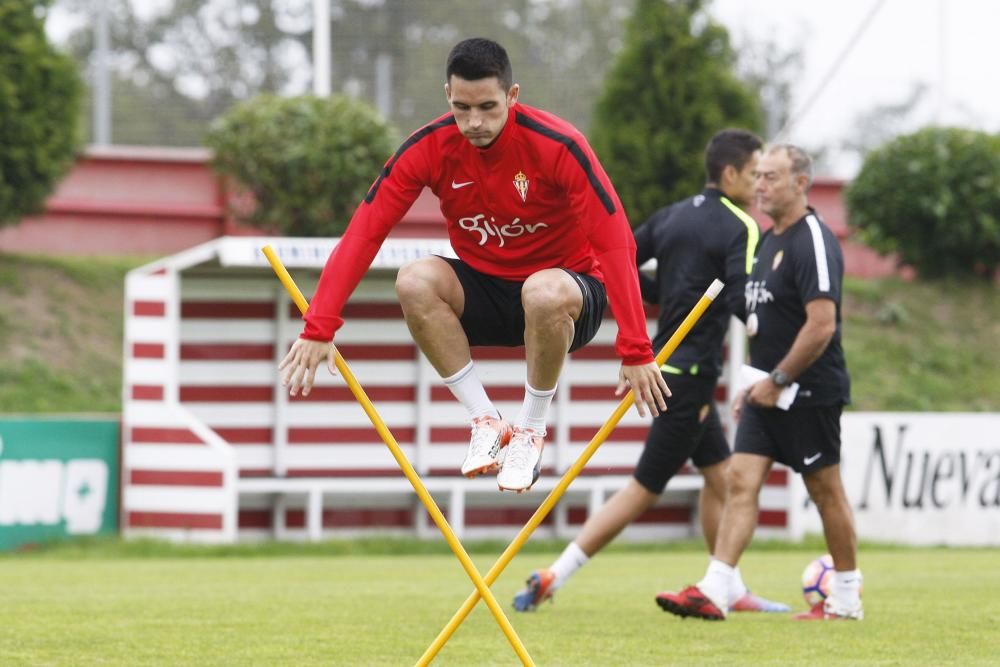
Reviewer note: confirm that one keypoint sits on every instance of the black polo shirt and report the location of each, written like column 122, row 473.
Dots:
column 801, row 264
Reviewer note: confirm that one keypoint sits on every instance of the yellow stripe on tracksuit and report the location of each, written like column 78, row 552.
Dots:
column 667, row 368
column 753, row 236
column 753, row 232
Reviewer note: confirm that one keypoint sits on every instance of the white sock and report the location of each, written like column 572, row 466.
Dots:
column 570, row 560
column 469, row 391
column 846, row 588
column 737, row 588
column 535, row 408
column 716, row 584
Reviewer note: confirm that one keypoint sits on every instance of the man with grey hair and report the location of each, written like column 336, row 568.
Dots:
column 793, row 321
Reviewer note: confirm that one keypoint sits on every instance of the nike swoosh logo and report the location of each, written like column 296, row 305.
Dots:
column 456, row 186
column 810, row 459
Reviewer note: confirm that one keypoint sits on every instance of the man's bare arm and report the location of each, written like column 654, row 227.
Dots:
column 808, row 346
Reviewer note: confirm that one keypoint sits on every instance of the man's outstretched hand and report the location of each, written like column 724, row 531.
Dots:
column 648, row 386
column 301, row 362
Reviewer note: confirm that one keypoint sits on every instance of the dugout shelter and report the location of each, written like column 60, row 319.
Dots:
column 214, row 450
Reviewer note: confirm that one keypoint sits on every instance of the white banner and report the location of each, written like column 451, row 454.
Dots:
column 920, row 478
column 312, row 253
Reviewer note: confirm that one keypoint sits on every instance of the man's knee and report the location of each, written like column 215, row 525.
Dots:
column 550, row 292
column 715, row 477
column 421, row 280
column 742, row 483
column 638, row 494
column 412, row 280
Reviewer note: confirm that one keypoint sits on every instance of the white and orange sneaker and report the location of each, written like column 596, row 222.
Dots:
column 489, row 436
column 522, row 461
column 539, row 589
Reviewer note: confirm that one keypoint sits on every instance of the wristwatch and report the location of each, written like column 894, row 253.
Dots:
column 780, row 378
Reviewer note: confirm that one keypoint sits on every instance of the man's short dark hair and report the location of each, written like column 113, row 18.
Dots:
column 729, row 148
column 478, row 58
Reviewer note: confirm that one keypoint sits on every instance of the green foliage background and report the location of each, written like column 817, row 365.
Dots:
column 672, row 86
column 933, row 197
column 306, row 161
column 910, row 345
column 39, row 109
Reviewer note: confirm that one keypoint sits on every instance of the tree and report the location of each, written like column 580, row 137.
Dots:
column 181, row 63
column 670, row 88
column 933, row 197
column 39, row 106
column 306, row 161
column 770, row 69
column 178, row 65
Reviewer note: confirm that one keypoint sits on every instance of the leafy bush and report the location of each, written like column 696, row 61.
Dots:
column 933, row 197
column 39, row 110
column 672, row 86
column 306, row 161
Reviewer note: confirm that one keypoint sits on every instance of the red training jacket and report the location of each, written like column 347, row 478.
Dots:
column 537, row 198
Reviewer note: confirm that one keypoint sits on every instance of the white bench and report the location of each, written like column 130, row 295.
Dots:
column 595, row 487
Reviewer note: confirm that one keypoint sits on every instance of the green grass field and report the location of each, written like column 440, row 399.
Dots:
column 237, row 607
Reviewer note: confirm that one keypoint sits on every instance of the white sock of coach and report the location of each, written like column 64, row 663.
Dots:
column 846, row 588
column 469, row 391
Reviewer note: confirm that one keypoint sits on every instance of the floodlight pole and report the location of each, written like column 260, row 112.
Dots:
column 321, row 48
column 102, row 76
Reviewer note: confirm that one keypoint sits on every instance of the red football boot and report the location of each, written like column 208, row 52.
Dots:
column 690, row 602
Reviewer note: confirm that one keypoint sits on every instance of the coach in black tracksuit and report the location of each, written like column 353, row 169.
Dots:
column 693, row 241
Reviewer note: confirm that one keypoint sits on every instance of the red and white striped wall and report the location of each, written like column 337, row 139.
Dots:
column 179, row 476
column 204, row 409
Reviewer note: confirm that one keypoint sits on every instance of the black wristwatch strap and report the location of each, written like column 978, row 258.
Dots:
column 779, row 378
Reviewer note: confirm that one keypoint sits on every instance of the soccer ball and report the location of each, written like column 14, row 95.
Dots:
column 817, row 579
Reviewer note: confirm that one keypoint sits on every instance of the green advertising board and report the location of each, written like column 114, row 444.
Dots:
column 58, row 479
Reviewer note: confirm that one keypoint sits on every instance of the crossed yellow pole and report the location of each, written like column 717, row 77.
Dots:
column 550, row 501
column 482, row 589
column 483, row 583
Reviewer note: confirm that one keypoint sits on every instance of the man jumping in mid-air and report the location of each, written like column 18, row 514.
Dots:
column 542, row 243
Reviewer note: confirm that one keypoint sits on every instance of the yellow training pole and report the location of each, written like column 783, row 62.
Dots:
column 571, row 474
column 482, row 589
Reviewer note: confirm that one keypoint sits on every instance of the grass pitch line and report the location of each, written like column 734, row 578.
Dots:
column 550, row 501
column 482, row 588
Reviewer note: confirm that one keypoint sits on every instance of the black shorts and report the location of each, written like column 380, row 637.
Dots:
column 689, row 429
column 494, row 314
column 804, row 439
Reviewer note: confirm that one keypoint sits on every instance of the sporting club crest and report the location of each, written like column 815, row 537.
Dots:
column 777, row 260
column 521, row 185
